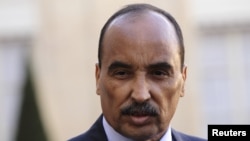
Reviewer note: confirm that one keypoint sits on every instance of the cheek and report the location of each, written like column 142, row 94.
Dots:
column 113, row 97
column 108, row 102
column 108, row 97
column 113, row 94
column 168, row 96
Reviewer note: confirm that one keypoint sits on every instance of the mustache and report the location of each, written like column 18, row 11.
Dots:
column 140, row 109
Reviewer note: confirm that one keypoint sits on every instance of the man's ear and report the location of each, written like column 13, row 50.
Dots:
column 184, row 77
column 97, row 77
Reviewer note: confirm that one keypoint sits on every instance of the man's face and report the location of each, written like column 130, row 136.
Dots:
column 141, row 80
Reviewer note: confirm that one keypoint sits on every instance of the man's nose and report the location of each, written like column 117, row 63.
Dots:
column 140, row 90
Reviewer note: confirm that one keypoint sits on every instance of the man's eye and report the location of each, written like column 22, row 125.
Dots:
column 160, row 73
column 121, row 74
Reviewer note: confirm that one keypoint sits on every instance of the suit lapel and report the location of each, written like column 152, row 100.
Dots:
column 176, row 136
column 97, row 132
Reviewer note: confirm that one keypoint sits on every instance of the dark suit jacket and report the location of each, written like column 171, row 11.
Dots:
column 97, row 133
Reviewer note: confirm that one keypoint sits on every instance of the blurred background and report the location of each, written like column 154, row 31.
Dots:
column 48, row 51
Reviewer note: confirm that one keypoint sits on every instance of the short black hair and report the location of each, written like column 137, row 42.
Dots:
column 138, row 8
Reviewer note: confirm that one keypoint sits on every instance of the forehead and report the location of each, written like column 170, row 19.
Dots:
column 144, row 24
column 147, row 20
column 145, row 33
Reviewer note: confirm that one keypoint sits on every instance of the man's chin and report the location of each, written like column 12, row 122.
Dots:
column 139, row 131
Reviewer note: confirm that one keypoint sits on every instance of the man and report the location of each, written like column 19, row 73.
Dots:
column 140, row 77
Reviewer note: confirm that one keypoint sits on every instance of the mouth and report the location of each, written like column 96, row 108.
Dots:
column 139, row 120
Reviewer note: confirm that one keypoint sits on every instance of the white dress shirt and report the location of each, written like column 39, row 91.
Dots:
column 112, row 135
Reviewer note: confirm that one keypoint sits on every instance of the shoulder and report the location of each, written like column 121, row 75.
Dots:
column 95, row 133
column 179, row 136
column 81, row 137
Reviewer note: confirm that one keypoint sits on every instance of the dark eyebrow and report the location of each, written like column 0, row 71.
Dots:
column 118, row 64
column 164, row 65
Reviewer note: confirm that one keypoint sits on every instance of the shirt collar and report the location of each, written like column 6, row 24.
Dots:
column 112, row 135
